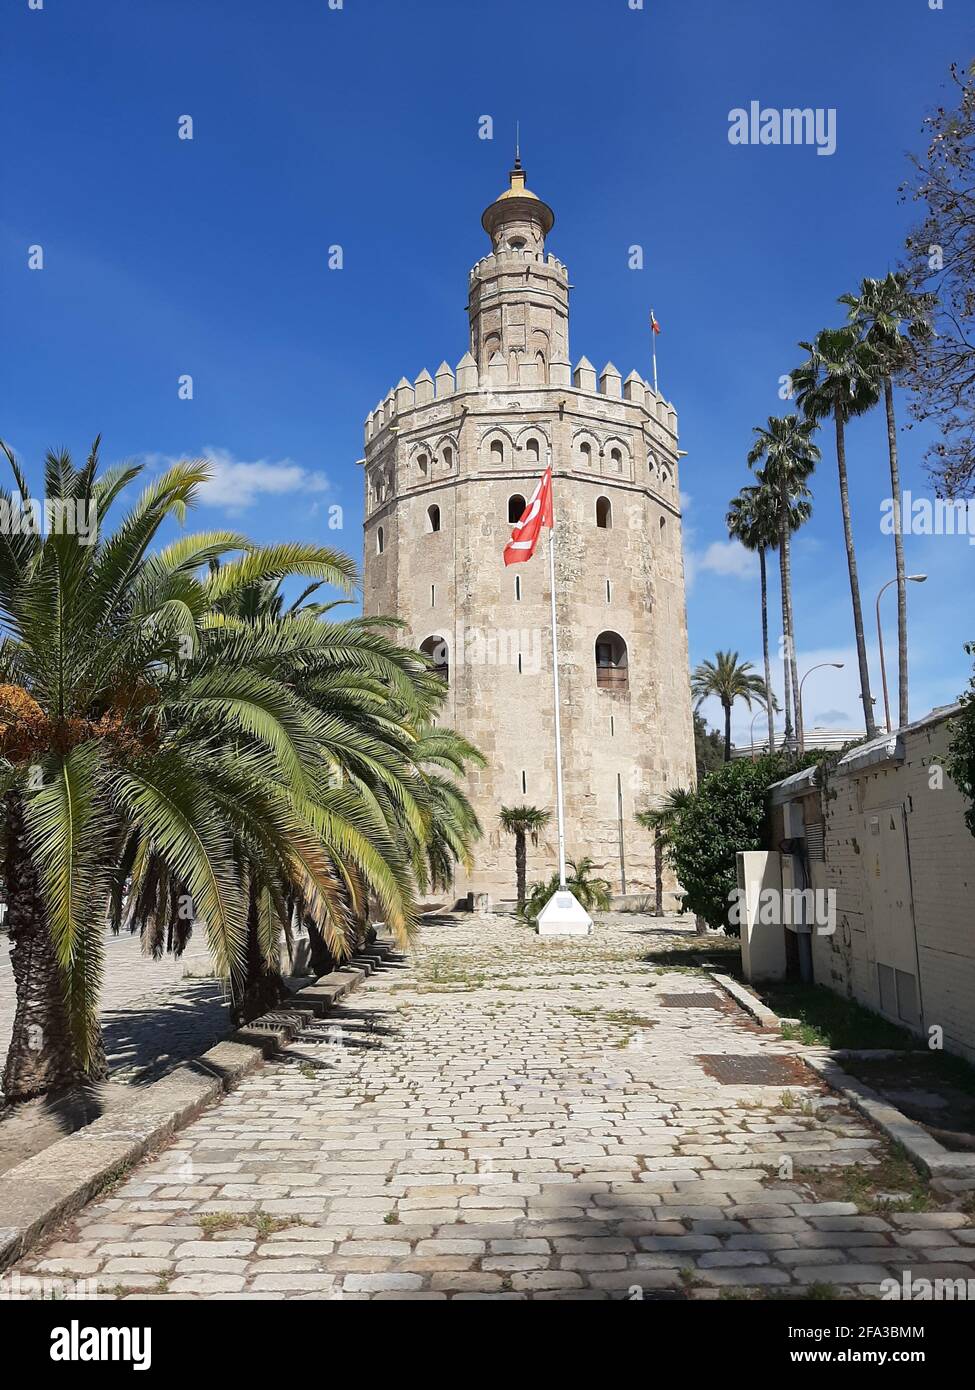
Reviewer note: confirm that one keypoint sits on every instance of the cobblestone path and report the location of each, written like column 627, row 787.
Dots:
column 511, row 1118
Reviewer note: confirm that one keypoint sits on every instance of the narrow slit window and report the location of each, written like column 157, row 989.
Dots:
column 517, row 588
column 524, row 782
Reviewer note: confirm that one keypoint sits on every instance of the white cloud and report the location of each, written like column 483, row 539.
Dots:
column 237, row 484
column 729, row 559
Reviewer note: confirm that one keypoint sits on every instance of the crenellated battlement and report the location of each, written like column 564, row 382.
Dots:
column 499, row 261
column 522, row 374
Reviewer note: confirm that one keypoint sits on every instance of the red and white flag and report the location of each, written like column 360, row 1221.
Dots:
column 537, row 514
column 654, row 324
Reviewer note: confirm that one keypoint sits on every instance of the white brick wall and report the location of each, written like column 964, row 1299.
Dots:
column 942, row 863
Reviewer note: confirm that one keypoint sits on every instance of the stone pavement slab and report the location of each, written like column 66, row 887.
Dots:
column 504, row 1116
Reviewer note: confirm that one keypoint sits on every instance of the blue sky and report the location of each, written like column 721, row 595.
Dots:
column 359, row 126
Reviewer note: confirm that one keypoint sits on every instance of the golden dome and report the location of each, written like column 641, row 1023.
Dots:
column 517, row 190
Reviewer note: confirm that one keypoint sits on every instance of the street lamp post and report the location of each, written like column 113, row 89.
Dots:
column 837, row 666
column 914, row 579
column 751, row 732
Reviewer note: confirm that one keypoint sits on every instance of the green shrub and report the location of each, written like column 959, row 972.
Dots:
column 592, row 893
column 961, row 754
column 728, row 813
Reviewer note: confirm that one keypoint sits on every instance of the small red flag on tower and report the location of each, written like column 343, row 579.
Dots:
column 537, row 514
column 655, row 326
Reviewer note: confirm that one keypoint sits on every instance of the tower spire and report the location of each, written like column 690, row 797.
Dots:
column 517, row 144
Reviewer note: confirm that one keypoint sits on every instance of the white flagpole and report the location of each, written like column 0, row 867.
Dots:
column 653, row 348
column 555, row 688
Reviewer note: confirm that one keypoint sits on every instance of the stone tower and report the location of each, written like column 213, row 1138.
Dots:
column 450, row 459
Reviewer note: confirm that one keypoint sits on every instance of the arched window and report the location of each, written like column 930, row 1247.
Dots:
column 422, row 463
column 542, row 368
column 380, row 541
column 516, row 508
column 663, row 524
column 433, row 517
column 612, row 671
column 448, row 457
column 585, row 450
column 616, row 460
column 604, row 513
column 497, row 451
column 436, row 649
column 532, row 450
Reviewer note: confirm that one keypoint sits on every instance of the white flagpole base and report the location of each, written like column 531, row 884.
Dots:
column 563, row 915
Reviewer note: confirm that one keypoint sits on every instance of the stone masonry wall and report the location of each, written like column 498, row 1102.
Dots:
column 431, row 446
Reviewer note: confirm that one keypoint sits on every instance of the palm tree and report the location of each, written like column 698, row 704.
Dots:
column 522, row 821
column 661, row 819
column 879, row 313
column 166, row 761
column 595, row 894
column 377, row 742
column 785, row 447
column 729, row 680
column 752, row 520
column 838, row 379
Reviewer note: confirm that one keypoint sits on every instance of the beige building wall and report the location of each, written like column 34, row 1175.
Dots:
column 445, row 454
column 901, row 859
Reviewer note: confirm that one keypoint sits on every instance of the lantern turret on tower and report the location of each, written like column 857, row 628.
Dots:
column 519, row 297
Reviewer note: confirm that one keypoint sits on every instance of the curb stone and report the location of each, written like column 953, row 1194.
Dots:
column 51, row 1185
column 748, row 1002
column 922, row 1149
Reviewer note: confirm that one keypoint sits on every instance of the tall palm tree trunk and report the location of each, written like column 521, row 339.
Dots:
column 790, row 619
column 658, row 870
column 521, row 867
column 727, row 730
column 788, row 739
column 41, row 1056
column 320, row 957
column 903, row 716
column 263, row 987
column 851, row 560
column 765, row 652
